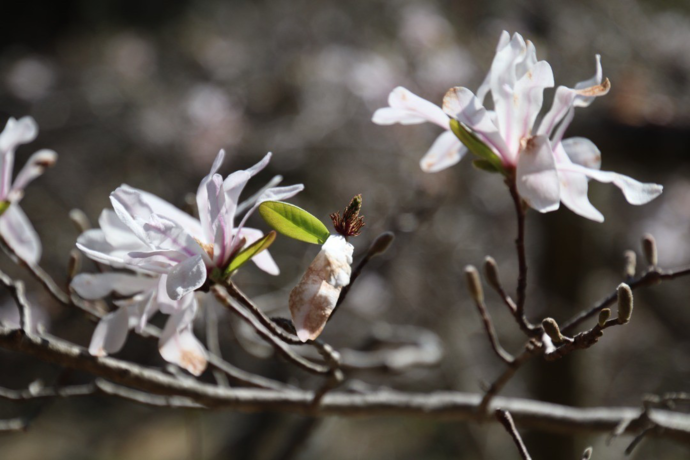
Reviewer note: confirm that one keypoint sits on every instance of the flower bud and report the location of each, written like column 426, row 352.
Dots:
column 630, row 264
column 604, row 316
column 381, row 244
column 552, row 330
column 474, row 284
column 625, row 303
column 587, row 454
column 491, row 273
column 79, row 219
column 649, row 249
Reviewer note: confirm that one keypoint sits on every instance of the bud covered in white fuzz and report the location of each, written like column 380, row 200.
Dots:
column 315, row 297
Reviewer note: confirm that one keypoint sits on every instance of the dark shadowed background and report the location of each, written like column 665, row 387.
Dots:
column 146, row 92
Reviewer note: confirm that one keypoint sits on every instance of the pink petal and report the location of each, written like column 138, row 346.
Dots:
column 110, row 334
column 186, row 277
column 445, row 152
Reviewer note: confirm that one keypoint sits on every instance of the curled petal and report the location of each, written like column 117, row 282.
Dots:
column 583, row 152
column 37, row 164
column 110, row 334
column 17, row 230
column 92, row 286
column 186, row 277
column 537, row 179
column 314, row 298
column 446, row 151
column 635, row 192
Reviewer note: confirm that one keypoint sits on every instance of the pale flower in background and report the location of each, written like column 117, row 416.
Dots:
column 14, row 225
column 547, row 168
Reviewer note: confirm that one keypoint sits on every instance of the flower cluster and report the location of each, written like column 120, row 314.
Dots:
column 547, row 168
column 172, row 254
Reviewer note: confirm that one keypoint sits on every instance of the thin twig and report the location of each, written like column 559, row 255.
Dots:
column 528, row 328
column 506, row 420
column 16, row 289
column 213, row 342
column 654, row 276
column 491, row 333
column 498, row 384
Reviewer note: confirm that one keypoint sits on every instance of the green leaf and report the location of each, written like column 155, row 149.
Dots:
column 475, row 145
column 294, row 222
column 3, row 207
column 485, row 165
column 250, row 251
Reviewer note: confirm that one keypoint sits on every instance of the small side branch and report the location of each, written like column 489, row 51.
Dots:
column 506, row 420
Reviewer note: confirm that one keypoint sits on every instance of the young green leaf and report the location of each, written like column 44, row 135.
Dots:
column 475, row 145
column 294, row 222
column 3, row 207
column 250, row 251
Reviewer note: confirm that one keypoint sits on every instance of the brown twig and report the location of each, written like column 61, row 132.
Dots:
column 506, row 420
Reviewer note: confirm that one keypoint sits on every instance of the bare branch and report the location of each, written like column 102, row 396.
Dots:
column 506, row 420
column 16, row 289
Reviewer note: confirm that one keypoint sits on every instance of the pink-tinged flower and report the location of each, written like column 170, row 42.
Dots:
column 141, row 297
column 313, row 299
column 149, row 235
column 547, row 168
column 14, row 225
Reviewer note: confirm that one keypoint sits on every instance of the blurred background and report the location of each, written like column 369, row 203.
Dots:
column 146, row 92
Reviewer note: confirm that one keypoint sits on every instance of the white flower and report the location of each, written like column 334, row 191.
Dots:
column 14, row 225
column 315, row 297
column 149, row 235
column 547, row 168
column 143, row 297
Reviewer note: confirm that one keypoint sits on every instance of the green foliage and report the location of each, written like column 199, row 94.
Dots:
column 294, row 222
column 250, row 251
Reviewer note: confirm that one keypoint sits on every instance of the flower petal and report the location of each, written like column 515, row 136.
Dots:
column 17, row 132
column 93, row 286
column 110, row 334
column 37, row 164
column 408, row 108
column 17, row 230
column 178, row 345
column 537, row 179
column 635, row 192
column 186, row 277
column 446, row 151
column 583, row 152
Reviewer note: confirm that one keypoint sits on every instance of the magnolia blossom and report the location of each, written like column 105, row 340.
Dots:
column 172, row 254
column 547, row 168
column 314, row 298
column 141, row 297
column 14, row 225
column 162, row 239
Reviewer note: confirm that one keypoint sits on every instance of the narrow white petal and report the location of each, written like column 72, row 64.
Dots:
column 186, row 277
column 390, row 116
column 583, row 152
column 403, row 99
column 17, row 132
column 34, row 167
column 445, row 152
column 635, row 192
column 20, row 234
column 179, row 346
column 92, row 286
column 537, row 179
column 110, row 334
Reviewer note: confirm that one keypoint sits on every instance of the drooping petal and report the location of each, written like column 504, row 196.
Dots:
column 110, row 334
column 408, row 108
column 263, row 260
column 167, row 305
column 583, row 152
column 185, row 277
column 536, row 176
column 635, row 192
column 178, row 345
column 573, row 191
column 446, row 151
column 37, row 164
column 314, row 298
column 17, row 230
column 92, row 286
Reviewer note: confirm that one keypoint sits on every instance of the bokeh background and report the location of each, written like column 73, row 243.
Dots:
column 145, row 92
